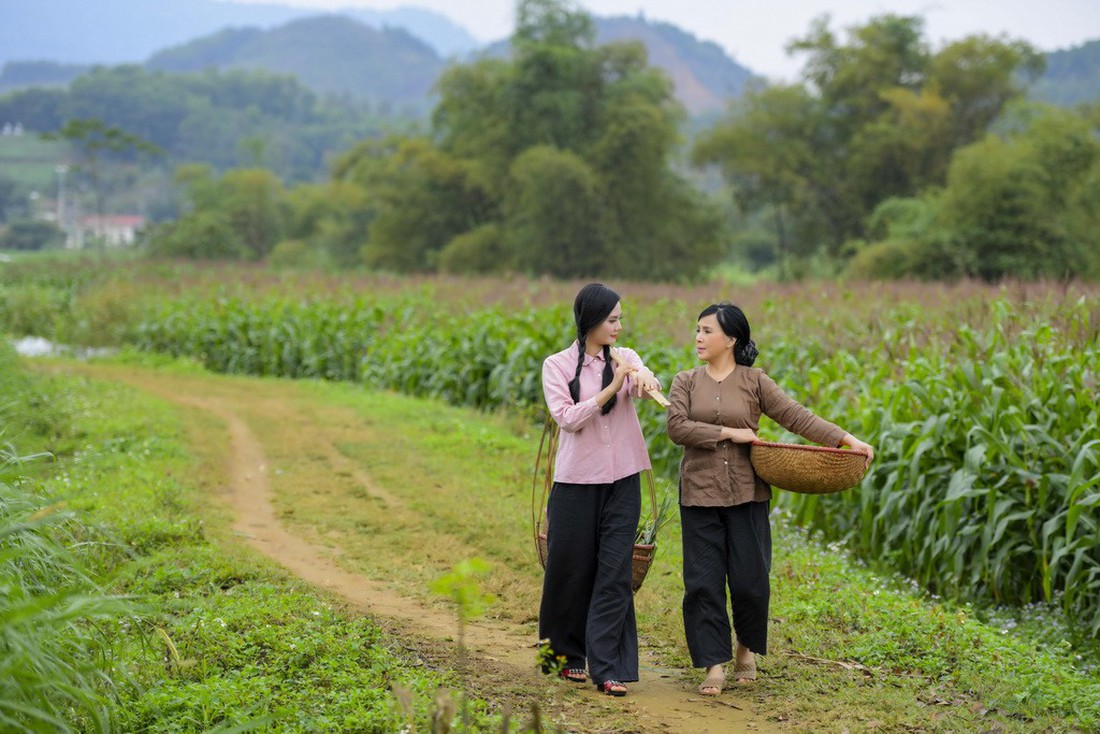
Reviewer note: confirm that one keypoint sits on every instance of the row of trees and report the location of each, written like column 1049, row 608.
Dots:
column 888, row 158
column 1021, row 202
column 884, row 140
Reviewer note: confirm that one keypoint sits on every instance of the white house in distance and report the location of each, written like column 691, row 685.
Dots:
column 110, row 230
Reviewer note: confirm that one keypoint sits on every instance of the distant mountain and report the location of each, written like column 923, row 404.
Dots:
column 328, row 53
column 22, row 74
column 1072, row 76
column 706, row 78
column 336, row 54
column 41, row 46
column 129, row 31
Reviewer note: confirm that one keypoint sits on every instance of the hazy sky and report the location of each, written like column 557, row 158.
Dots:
column 755, row 33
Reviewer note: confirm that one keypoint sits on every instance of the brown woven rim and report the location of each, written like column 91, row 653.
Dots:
column 805, row 447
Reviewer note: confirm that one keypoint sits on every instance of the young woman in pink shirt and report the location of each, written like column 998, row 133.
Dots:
column 587, row 609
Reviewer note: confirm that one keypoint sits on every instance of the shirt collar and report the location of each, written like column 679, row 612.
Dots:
column 589, row 359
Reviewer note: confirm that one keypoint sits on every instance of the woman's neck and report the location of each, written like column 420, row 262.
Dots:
column 593, row 349
column 721, row 368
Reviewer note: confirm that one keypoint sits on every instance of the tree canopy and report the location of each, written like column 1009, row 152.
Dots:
column 876, row 117
column 556, row 160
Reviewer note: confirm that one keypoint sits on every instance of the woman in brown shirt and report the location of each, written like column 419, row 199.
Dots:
column 714, row 414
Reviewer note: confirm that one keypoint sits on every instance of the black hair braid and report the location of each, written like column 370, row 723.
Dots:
column 575, row 383
column 608, row 376
column 593, row 304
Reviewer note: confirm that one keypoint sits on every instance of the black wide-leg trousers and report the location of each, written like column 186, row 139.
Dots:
column 726, row 546
column 587, row 609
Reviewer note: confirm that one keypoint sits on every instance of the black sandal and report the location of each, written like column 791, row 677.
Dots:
column 574, row 675
column 611, row 688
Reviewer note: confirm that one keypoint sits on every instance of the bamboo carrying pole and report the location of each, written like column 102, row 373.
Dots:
column 655, row 394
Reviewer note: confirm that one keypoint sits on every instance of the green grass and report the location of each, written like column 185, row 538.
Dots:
column 987, row 459
column 51, row 615
column 849, row 648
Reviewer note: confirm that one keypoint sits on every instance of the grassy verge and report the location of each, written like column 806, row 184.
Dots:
column 221, row 640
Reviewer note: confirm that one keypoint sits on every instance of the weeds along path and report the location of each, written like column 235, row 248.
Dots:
column 288, row 454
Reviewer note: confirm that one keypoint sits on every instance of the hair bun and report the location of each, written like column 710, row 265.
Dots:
column 745, row 353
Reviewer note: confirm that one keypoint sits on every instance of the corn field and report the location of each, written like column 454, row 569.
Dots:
column 981, row 402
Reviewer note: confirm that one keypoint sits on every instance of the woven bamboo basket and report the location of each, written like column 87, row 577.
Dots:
column 807, row 469
column 541, row 483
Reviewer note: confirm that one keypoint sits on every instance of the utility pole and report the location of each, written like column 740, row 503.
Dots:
column 61, row 168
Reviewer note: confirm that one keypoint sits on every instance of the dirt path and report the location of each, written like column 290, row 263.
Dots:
column 659, row 702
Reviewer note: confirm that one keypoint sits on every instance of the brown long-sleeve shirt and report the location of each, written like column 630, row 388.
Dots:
column 717, row 473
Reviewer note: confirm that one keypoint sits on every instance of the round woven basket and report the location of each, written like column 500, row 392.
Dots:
column 807, row 469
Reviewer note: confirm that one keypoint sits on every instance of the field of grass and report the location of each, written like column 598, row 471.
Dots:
column 983, row 411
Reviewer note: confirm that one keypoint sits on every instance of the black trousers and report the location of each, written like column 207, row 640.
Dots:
column 726, row 546
column 587, row 609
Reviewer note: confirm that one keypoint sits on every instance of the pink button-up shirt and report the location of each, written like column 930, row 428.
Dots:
column 593, row 448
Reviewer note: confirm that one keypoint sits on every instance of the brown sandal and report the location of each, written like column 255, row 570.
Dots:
column 744, row 673
column 717, row 681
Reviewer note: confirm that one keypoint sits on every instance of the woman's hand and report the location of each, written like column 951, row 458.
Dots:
column 622, row 371
column 856, row 445
column 738, row 435
column 644, row 383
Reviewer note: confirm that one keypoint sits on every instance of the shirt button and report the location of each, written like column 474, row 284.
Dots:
column 726, row 463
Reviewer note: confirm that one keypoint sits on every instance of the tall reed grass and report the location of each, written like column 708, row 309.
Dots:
column 55, row 669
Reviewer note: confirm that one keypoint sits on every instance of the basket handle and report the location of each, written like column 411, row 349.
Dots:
column 549, row 443
column 652, row 494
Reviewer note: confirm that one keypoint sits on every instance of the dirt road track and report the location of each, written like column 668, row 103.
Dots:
column 659, row 702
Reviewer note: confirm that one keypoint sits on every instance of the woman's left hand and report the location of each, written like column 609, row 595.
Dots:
column 856, row 445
